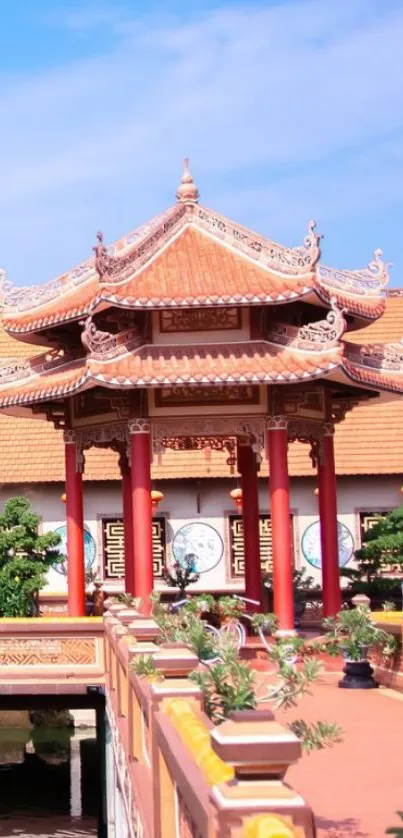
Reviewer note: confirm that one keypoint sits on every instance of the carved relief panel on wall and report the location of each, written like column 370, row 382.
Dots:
column 236, row 545
column 114, row 553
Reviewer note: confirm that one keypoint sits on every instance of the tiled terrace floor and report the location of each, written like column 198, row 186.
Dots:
column 43, row 827
column 355, row 787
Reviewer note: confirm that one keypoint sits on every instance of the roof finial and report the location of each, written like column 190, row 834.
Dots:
column 187, row 192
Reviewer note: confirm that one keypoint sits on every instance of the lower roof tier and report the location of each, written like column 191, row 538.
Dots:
column 51, row 377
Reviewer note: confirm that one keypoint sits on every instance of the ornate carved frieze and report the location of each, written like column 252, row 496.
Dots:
column 216, row 433
column 204, row 395
column 94, row 405
column 297, row 260
column 310, row 433
column 385, row 356
column 370, row 280
column 118, row 268
column 15, row 370
column 201, row 320
column 19, row 369
column 319, row 335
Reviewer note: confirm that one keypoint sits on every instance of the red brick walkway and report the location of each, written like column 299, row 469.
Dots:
column 356, row 787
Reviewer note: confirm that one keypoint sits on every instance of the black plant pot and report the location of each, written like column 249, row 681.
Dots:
column 358, row 675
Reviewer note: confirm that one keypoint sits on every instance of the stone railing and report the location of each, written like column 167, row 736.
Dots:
column 51, row 650
column 172, row 774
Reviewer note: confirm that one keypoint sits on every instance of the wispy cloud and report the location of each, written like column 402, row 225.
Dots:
column 287, row 110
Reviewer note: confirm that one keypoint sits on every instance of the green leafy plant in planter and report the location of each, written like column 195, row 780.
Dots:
column 25, row 557
column 353, row 635
column 230, row 684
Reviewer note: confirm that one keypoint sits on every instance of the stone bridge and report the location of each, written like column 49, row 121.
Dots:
column 169, row 773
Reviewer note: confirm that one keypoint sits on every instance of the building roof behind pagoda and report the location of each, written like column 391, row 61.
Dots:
column 192, row 256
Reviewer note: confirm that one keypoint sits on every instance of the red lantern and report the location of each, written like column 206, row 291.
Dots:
column 63, row 497
column 156, row 498
column 236, row 495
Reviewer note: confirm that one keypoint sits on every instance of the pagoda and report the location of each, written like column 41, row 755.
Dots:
column 193, row 332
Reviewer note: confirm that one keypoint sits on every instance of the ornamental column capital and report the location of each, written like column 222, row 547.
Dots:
column 328, row 429
column 69, row 437
column 277, row 423
column 139, row 426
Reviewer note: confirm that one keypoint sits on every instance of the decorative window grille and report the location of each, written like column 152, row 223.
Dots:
column 113, row 547
column 368, row 520
column 236, row 544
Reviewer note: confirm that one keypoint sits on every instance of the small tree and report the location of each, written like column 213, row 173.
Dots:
column 25, row 556
column 382, row 546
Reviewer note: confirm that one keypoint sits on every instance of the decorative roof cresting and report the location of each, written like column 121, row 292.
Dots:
column 368, row 281
column 187, row 191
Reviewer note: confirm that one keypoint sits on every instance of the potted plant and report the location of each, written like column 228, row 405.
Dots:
column 353, row 635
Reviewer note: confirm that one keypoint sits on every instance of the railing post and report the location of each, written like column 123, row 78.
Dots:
column 261, row 751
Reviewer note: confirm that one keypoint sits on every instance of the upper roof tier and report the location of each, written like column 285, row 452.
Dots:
column 190, row 256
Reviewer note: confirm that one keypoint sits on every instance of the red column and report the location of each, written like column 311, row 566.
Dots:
column 280, row 524
column 328, row 525
column 140, row 454
column 247, row 467
column 127, row 523
column 75, row 529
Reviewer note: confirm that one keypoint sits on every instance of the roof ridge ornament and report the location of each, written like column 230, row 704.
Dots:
column 369, row 281
column 187, row 191
column 328, row 331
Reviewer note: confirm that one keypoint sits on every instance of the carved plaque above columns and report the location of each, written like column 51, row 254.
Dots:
column 214, row 432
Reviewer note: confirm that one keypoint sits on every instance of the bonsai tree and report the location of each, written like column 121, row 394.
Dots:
column 181, row 574
column 25, row 556
column 382, row 546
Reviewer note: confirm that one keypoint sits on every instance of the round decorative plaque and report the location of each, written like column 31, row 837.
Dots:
column 199, row 542
column 90, row 551
column 311, row 547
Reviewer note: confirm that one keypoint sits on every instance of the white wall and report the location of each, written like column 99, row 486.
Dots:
column 180, row 504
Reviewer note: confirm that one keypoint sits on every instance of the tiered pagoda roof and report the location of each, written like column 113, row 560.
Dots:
column 187, row 258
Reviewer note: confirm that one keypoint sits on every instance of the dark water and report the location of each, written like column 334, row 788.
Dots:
column 49, row 782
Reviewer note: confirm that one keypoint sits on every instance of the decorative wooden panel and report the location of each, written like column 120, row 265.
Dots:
column 201, row 320
column 114, row 551
column 236, row 543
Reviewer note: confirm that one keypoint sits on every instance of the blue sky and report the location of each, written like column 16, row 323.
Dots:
column 288, row 110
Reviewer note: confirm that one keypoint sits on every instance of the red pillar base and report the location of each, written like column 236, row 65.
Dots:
column 280, row 525
column 328, row 526
column 247, row 467
column 142, row 511
column 75, row 530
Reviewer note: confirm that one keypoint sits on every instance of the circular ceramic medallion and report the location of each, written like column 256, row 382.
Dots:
column 311, row 547
column 199, row 542
column 90, row 551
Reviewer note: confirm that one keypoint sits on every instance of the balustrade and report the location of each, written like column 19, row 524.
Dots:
column 177, row 774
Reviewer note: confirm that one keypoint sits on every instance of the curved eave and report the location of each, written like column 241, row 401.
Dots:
column 390, row 381
column 363, row 309
column 256, row 362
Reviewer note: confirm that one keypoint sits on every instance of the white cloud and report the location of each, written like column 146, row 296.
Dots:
column 287, row 109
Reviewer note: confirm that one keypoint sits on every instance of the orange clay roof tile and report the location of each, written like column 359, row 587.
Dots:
column 369, row 441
